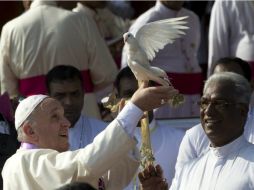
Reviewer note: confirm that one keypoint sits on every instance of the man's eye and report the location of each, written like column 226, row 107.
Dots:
column 76, row 94
column 59, row 96
column 220, row 102
column 55, row 116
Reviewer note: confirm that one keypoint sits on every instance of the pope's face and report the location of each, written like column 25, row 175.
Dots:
column 222, row 117
column 50, row 126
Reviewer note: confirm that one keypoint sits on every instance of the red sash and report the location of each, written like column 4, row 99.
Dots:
column 37, row 84
column 187, row 83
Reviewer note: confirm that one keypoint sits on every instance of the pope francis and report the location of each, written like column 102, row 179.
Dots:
column 43, row 162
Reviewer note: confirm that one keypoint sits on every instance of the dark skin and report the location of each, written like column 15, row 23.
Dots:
column 222, row 124
column 152, row 178
column 71, row 95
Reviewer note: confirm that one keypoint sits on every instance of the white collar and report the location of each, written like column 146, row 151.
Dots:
column 37, row 3
column 227, row 149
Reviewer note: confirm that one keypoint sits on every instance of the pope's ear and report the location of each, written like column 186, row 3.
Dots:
column 28, row 129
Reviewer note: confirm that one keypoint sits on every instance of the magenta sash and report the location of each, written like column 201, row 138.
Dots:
column 37, row 85
column 187, row 83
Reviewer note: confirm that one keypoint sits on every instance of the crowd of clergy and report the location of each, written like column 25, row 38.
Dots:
column 59, row 63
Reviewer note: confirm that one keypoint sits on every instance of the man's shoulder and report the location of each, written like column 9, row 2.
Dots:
column 247, row 152
column 14, row 23
column 190, row 13
column 196, row 130
column 146, row 17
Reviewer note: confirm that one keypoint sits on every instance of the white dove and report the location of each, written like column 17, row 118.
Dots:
column 148, row 40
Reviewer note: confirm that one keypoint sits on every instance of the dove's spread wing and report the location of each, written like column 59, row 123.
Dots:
column 155, row 35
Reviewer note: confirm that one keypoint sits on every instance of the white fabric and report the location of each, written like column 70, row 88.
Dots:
column 165, row 142
column 109, row 25
column 26, row 107
column 230, row 167
column 133, row 113
column 84, row 131
column 195, row 143
column 179, row 57
column 46, row 36
column 41, row 169
column 86, row 128
column 231, row 31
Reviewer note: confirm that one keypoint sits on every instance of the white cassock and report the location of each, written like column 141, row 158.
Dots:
column 46, row 36
column 195, row 143
column 230, row 167
column 178, row 60
column 165, row 142
column 109, row 25
column 41, row 169
column 84, row 131
column 231, row 31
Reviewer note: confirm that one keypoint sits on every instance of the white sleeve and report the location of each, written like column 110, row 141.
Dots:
column 129, row 117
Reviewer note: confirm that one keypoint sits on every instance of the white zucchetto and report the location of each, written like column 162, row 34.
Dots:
column 26, row 107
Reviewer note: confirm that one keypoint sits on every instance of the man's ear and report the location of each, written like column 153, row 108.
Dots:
column 244, row 109
column 29, row 131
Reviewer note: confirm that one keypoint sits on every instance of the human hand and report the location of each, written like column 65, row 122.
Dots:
column 152, row 178
column 149, row 98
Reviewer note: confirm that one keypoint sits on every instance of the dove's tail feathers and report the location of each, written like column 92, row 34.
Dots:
column 161, row 74
column 158, row 75
column 144, row 73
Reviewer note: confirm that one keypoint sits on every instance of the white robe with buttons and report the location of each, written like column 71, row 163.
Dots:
column 195, row 143
column 230, row 167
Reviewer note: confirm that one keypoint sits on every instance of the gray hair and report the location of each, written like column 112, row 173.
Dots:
column 242, row 86
column 21, row 135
